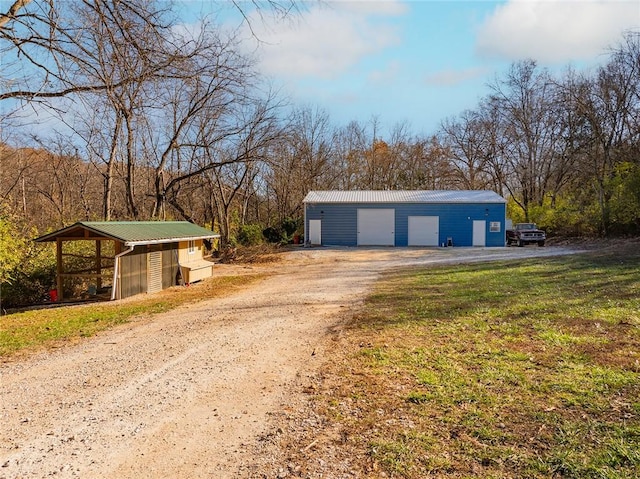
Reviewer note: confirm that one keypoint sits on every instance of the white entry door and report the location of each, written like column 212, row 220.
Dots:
column 315, row 232
column 424, row 230
column 376, row 227
column 479, row 233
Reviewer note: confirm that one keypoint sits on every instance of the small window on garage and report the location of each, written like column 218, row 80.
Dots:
column 494, row 227
column 191, row 247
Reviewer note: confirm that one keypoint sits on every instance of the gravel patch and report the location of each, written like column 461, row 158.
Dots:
column 206, row 390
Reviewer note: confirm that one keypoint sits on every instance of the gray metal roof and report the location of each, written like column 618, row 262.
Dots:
column 133, row 233
column 421, row 196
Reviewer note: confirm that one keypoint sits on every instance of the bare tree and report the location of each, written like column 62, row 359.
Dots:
column 47, row 47
column 427, row 166
column 606, row 129
column 469, row 142
column 530, row 132
column 47, row 186
column 351, row 144
column 301, row 160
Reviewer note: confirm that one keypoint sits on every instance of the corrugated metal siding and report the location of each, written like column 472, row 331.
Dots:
column 421, row 196
column 131, row 231
column 133, row 272
column 339, row 221
column 169, row 265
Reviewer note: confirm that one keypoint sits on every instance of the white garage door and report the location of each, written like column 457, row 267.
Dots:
column 424, row 230
column 376, row 227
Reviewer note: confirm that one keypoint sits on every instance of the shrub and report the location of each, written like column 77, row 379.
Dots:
column 12, row 247
column 32, row 279
column 250, row 235
column 284, row 232
column 27, row 270
column 289, row 226
column 274, row 235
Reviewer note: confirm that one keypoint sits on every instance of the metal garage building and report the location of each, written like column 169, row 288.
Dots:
column 405, row 218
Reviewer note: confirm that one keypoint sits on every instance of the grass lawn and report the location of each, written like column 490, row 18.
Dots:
column 496, row 370
column 30, row 330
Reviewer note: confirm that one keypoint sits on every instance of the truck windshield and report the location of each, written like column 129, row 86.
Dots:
column 526, row 226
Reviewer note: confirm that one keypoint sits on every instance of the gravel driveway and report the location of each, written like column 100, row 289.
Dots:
column 190, row 392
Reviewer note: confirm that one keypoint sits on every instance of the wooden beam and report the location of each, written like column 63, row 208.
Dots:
column 82, row 275
column 83, row 256
column 91, row 270
column 85, row 237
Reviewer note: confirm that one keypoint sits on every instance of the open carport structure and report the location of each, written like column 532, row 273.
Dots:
column 405, row 218
column 140, row 257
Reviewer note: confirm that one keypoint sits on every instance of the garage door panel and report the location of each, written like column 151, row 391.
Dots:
column 424, row 230
column 376, row 227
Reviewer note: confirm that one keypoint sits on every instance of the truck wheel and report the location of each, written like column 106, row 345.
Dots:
column 540, row 243
column 520, row 243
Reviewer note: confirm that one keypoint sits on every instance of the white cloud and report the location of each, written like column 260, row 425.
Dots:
column 452, row 77
column 376, row 7
column 554, row 31
column 327, row 39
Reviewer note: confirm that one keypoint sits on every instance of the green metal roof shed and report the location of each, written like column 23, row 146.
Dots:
column 132, row 233
column 147, row 245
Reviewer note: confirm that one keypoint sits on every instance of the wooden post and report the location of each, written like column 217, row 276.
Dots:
column 59, row 283
column 117, row 249
column 98, row 264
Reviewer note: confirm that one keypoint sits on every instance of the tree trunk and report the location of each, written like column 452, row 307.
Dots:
column 131, row 203
column 108, row 175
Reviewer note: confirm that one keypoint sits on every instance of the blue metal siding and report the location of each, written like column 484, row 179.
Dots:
column 339, row 221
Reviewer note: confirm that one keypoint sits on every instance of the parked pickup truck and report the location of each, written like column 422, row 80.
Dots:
column 523, row 233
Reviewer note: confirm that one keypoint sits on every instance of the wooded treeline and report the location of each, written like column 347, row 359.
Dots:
column 168, row 123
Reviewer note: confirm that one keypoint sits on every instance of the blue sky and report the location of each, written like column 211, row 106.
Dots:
column 407, row 61
column 420, row 61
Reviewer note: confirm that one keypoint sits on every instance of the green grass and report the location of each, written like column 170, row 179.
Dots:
column 30, row 330
column 502, row 369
